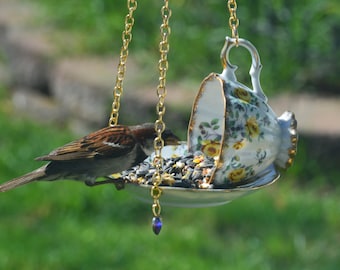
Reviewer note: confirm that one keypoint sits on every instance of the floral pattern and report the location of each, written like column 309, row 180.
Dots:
column 209, row 141
column 242, row 94
column 236, row 126
column 238, row 145
column 252, row 127
column 249, row 124
column 211, row 148
column 237, row 175
column 247, row 114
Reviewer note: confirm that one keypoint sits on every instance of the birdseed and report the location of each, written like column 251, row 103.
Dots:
column 192, row 170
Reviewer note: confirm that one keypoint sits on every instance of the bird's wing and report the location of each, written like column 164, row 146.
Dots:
column 107, row 142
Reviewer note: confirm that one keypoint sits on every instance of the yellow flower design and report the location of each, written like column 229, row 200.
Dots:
column 238, row 145
column 242, row 94
column 237, row 175
column 252, row 127
column 211, row 148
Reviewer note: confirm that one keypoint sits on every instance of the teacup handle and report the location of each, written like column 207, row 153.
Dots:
column 255, row 70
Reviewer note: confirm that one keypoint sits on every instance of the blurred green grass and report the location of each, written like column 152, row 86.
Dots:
column 66, row 225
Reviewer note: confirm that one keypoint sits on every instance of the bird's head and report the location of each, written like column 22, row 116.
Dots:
column 146, row 134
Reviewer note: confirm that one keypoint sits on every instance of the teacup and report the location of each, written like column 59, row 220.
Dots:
column 235, row 125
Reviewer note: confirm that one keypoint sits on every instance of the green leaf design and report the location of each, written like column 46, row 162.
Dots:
column 214, row 121
column 205, row 124
column 232, row 123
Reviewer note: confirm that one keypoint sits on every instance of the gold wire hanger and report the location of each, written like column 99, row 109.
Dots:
column 233, row 20
column 124, row 52
column 161, row 92
column 163, row 66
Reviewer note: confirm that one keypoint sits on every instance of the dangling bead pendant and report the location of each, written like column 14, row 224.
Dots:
column 157, row 225
column 156, row 207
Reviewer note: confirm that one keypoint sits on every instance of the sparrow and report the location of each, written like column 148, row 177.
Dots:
column 109, row 150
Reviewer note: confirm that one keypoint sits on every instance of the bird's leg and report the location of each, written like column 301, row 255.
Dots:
column 119, row 183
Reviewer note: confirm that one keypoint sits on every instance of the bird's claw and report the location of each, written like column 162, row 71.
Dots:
column 119, row 183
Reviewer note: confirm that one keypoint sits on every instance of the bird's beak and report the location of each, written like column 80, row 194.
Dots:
column 172, row 140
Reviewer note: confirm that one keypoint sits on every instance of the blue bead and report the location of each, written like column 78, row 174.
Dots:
column 156, row 225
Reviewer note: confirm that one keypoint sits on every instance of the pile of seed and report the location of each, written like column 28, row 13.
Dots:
column 192, row 170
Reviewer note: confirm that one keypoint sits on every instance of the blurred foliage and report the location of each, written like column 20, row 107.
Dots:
column 317, row 161
column 298, row 40
column 293, row 224
column 66, row 225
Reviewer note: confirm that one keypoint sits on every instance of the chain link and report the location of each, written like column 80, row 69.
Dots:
column 163, row 66
column 124, row 52
column 156, row 207
column 233, row 20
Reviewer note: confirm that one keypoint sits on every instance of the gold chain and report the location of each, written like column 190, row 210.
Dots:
column 124, row 52
column 160, row 108
column 233, row 20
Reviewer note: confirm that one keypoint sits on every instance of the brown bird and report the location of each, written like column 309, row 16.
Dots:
column 101, row 153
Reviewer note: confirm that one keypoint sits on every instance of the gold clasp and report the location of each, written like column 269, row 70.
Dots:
column 233, row 20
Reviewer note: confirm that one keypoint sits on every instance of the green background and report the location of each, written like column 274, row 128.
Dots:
column 293, row 224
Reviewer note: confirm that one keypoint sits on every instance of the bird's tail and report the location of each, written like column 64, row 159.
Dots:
column 25, row 179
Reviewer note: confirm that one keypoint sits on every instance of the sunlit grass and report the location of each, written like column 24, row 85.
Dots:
column 66, row 225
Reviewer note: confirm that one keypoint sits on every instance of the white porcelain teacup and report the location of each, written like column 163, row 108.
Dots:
column 234, row 124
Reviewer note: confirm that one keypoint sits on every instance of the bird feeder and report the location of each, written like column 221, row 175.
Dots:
column 235, row 142
column 235, row 127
